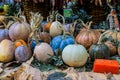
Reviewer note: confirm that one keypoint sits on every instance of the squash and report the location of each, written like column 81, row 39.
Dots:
column 43, row 52
column 59, row 42
column 7, row 50
column 75, row 55
column 4, row 33
column 56, row 27
column 22, row 53
column 20, row 42
column 99, row 50
column 87, row 37
column 19, row 30
column 112, row 47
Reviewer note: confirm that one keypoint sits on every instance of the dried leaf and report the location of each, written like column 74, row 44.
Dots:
column 26, row 72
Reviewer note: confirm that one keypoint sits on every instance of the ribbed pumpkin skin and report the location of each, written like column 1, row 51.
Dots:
column 99, row 51
column 75, row 55
column 60, row 43
column 55, row 28
column 4, row 34
column 6, row 51
column 43, row 51
column 22, row 53
column 87, row 38
column 19, row 31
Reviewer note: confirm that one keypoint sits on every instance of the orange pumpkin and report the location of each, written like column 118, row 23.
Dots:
column 47, row 26
column 20, row 42
column 87, row 37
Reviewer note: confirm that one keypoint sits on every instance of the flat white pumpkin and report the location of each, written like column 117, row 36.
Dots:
column 75, row 55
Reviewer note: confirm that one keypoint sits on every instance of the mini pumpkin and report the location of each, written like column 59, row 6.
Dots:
column 7, row 50
column 56, row 27
column 59, row 42
column 22, row 53
column 20, row 42
column 43, row 52
column 99, row 50
column 19, row 30
column 87, row 37
column 75, row 55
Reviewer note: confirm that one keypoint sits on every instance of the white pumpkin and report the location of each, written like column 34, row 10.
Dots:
column 55, row 28
column 43, row 51
column 75, row 55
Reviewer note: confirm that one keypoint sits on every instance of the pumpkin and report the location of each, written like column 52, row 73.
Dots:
column 87, row 37
column 112, row 47
column 19, row 30
column 118, row 48
column 50, row 19
column 99, row 50
column 59, row 42
column 56, row 27
column 43, row 52
column 4, row 33
column 112, row 34
column 75, row 55
column 22, row 53
column 6, row 50
column 20, row 42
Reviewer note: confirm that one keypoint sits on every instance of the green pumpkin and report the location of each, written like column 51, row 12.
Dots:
column 99, row 51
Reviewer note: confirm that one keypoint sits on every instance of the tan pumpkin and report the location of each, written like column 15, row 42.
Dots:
column 56, row 27
column 87, row 37
column 43, row 52
column 19, row 30
column 6, row 51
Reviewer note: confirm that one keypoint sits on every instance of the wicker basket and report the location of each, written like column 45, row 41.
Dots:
column 97, row 12
column 43, row 8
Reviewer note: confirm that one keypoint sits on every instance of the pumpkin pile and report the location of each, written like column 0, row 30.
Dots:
column 55, row 44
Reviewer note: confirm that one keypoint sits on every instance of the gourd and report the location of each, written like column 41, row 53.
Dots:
column 4, row 33
column 50, row 19
column 75, row 55
column 59, row 42
column 7, row 50
column 19, row 30
column 43, row 52
column 99, row 50
column 56, row 27
column 87, row 37
column 20, row 42
column 23, row 53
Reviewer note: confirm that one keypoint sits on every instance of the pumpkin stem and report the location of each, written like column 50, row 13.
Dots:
column 5, row 25
column 100, row 38
column 90, row 24
column 84, row 25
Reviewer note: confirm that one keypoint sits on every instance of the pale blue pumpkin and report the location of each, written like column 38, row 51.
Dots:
column 60, row 42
